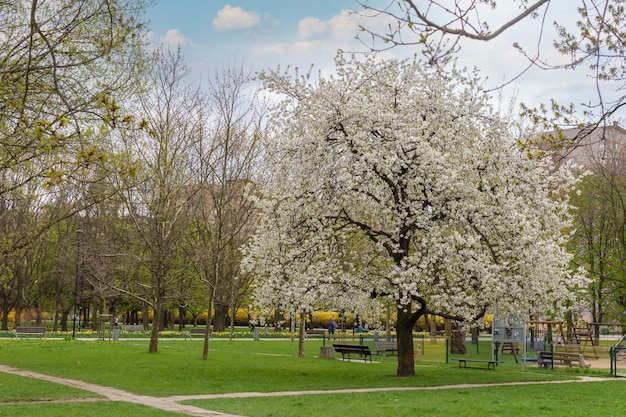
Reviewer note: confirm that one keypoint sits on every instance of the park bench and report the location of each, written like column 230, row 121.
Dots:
column 132, row 327
column 347, row 350
column 491, row 364
column 196, row 331
column 315, row 332
column 30, row 331
column 382, row 347
column 548, row 359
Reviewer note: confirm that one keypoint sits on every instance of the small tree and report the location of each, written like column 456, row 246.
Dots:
column 156, row 180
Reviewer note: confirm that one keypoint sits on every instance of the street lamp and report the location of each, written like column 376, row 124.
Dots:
column 78, row 241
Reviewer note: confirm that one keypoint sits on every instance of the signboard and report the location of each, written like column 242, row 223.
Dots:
column 507, row 330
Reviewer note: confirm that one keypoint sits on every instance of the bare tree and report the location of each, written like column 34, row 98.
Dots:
column 223, row 218
column 156, row 183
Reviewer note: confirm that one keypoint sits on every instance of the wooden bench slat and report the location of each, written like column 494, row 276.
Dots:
column 132, row 328
column 545, row 359
column 30, row 330
column 315, row 332
column 382, row 347
column 194, row 332
column 361, row 350
column 491, row 364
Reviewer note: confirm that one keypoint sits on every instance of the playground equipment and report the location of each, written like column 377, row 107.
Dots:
column 578, row 340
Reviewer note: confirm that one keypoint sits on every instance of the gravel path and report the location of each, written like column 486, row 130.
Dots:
column 172, row 403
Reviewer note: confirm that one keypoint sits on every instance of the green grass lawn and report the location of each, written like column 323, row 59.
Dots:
column 548, row 400
column 82, row 409
column 273, row 365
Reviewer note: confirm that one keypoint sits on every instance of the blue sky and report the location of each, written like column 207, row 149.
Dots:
column 258, row 34
column 266, row 33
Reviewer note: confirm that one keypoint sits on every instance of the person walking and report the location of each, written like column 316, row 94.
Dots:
column 332, row 326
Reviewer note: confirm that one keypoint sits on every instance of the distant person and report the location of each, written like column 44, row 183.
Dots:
column 359, row 329
column 332, row 326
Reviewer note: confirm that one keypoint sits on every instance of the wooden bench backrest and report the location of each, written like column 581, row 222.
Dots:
column 196, row 331
column 29, row 329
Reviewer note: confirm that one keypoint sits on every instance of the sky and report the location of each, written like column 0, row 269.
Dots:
column 259, row 34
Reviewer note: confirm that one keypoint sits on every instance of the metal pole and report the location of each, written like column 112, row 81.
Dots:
column 76, row 281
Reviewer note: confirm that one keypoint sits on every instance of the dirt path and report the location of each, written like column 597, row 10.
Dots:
column 171, row 403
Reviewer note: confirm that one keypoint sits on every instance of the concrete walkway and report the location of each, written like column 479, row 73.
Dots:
column 172, row 403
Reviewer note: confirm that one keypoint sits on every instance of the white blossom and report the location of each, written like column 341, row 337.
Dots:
column 392, row 179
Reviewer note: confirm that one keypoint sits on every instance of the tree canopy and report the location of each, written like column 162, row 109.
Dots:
column 397, row 181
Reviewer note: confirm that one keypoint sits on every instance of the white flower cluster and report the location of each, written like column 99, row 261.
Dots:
column 397, row 181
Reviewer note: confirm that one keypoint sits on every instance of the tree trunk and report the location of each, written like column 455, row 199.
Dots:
column 433, row 329
column 301, row 335
column 232, row 325
column 145, row 316
column 404, row 332
column 6, row 308
column 207, row 331
column 181, row 318
column 221, row 311
column 279, row 318
column 64, row 316
column 154, row 335
column 5, row 312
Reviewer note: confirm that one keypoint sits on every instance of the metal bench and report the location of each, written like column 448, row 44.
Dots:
column 196, row 331
column 30, row 331
column 383, row 347
column 132, row 328
column 347, row 350
column 315, row 332
column 549, row 359
column 491, row 364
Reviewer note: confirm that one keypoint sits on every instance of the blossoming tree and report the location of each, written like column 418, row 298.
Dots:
column 400, row 182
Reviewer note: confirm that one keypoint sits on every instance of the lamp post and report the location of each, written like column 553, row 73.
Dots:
column 78, row 241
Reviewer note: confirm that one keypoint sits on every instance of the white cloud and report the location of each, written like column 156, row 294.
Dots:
column 345, row 25
column 235, row 18
column 175, row 38
column 341, row 27
column 312, row 27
